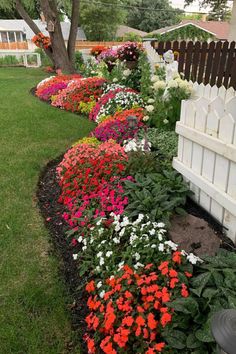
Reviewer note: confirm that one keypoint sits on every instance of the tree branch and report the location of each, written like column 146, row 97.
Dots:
column 23, row 13
column 73, row 29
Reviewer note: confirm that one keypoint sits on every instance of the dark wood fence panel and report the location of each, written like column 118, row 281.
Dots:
column 213, row 62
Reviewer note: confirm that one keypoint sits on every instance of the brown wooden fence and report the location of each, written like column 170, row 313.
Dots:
column 14, row 45
column 213, row 63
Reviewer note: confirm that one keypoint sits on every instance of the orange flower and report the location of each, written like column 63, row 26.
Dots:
column 159, row 346
column 152, row 323
column 127, row 321
column 91, row 346
column 184, row 291
column 90, row 286
column 165, row 318
column 176, row 257
column 173, row 282
column 173, row 273
column 140, row 321
column 150, row 351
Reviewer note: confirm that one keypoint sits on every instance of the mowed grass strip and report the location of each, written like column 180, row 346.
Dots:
column 33, row 312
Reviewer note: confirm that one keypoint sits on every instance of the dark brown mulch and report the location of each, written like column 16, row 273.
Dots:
column 48, row 193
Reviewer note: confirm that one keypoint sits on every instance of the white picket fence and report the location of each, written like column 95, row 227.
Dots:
column 207, row 151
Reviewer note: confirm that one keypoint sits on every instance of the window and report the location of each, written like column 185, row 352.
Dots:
column 18, row 37
column 4, row 37
column 11, row 36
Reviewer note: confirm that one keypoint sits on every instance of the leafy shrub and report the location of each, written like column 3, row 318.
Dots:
column 212, row 289
column 142, row 162
column 45, row 60
column 158, row 195
column 130, row 37
column 163, row 142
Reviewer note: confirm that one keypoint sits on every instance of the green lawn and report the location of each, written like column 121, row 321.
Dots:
column 33, row 312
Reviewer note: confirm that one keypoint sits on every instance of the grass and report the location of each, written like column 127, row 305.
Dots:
column 33, row 313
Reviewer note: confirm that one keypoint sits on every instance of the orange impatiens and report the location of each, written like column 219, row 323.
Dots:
column 132, row 310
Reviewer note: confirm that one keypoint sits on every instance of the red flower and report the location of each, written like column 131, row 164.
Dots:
column 152, row 323
column 140, row 321
column 90, row 286
column 165, row 318
column 159, row 346
column 184, row 291
column 91, row 346
column 176, row 257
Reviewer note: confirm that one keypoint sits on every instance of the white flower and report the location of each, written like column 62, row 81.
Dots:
column 116, row 240
column 137, row 256
column 193, row 259
column 173, row 84
column 161, row 247
column 115, row 79
column 99, row 284
column 120, row 265
column 154, row 78
column 151, row 100
column 80, row 239
column 153, row 246
column 98, row 269
column 99, row 254
column 75, row 256
column 159, row 85
column 145, row 118
column 109, row 253
column 101, row 262
column 125, row 221
column 138, row 265
column 121, row 233
column 160, row 225
column 152, row 232
column 172, row 245
column 127, row 72
column 84, row 248
column 102, row 293
column 165, row 121
column 149, row 108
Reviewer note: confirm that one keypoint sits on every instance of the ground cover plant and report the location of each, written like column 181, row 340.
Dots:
column 119, row 192
column 33, row 313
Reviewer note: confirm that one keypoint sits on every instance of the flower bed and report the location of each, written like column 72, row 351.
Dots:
column 119, row 194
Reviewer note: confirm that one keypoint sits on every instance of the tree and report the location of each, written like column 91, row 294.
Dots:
column 219, row 9
column 152, row 15
column 100, row 20
column 62, row 57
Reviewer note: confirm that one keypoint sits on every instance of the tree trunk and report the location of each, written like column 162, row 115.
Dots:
column 73, row 30
column 59, row 52
column 22, row 12
column 232, row 30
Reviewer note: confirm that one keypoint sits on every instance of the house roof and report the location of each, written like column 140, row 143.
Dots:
column 217, row 28
column 21, row 25
column 122, row 30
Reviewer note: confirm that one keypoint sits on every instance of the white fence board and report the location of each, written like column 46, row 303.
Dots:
column 207, row 151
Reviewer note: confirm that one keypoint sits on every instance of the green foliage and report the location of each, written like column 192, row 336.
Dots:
column 163, row 142
column 219, row 10
column 130, row 37
column 142, row 162
column 145, row 80
column 79, row 61
column 149, row 19
column 212, row 288
column 185, row 33
column 10, row 60
column 44, row 58
column 159, row 195
column 100, row 21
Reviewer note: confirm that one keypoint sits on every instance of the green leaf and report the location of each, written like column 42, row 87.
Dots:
column 185, row 305
column 192, row 341
column 200, row 282
column 204, row 334
column 176, row 339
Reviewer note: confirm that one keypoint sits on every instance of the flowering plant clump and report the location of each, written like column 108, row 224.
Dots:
column 53, row 85
column 80, row 95
column 123, row 115
column 114, row 101
column 108, row 56
column 98, row 49
column 130, row 51
column 116, row 129
column 89, row 176
column 90, row 140
column 129, row 312
column 40, row 40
